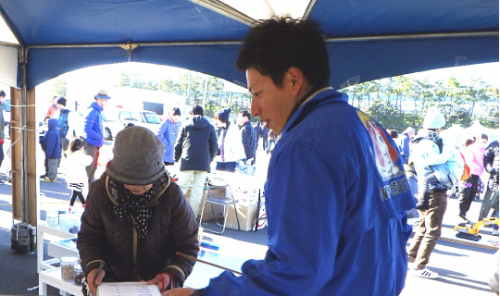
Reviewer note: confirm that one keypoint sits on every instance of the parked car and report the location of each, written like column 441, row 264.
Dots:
column 147, row 119
column 111, row 124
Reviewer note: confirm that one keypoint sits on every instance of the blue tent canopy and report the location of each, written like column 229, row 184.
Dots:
column 367, row 39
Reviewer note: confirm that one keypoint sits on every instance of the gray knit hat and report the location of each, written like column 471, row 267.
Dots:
column 433, row 119
column 138, row 157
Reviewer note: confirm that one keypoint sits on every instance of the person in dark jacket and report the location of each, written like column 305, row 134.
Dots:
column 265, row 136
column 63, row 123
column 195, row 148
column 52, row 150
column 43, row 130
column 94, row 132
column 136, row 218
column 258, row 133
column 248, row 135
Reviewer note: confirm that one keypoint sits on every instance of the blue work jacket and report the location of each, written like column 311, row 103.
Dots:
column 94, row 133
column 336, row 192
column 167, row 133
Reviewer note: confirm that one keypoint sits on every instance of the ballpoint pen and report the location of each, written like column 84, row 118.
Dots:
column 101, row 266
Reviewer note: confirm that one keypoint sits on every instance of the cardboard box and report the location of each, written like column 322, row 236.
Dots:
column 246, row 216
column 208, row 214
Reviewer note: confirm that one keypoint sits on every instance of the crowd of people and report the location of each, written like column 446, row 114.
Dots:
column 442, row 169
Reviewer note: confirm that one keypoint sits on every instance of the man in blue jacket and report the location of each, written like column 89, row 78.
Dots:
column 167, row 133
column 336, row 189
column 94, row 132
column 404, row 147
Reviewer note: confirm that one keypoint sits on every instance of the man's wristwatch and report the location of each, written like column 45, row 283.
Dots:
column 198, row 292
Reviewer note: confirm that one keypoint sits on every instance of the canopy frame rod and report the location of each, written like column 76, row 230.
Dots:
column 3, row 43
column 478, row 34
column 309, row 9
column 226, row 10
column 130, row 46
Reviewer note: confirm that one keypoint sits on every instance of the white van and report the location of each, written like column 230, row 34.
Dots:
column 143, row 118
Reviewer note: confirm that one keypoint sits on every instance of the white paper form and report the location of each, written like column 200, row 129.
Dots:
column 127, row 289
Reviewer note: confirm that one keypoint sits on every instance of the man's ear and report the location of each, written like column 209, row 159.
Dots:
column 295, row 78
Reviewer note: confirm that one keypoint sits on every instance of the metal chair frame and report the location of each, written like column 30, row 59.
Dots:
column 223, row 201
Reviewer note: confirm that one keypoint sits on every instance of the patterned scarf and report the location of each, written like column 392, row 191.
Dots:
column 434, row 137
column 135, row 206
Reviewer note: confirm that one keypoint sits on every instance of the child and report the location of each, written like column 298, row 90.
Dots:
column 52, row 150
column 76, row 175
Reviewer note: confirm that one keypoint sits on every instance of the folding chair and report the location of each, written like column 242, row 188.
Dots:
column 223, row 201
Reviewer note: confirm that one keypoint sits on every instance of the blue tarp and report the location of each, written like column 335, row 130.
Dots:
column 468, row 34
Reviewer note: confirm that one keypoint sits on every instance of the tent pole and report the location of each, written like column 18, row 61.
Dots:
column 25, row 217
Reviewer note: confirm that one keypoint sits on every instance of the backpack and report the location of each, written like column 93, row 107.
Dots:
column 466, row 173
column 62, row 123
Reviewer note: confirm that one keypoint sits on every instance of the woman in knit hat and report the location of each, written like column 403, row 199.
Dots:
column 230, row 144
column 137, row 219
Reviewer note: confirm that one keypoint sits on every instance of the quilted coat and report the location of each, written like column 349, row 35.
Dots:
column 105, row 238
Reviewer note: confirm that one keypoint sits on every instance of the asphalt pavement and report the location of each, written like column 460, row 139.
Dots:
column 463, row 269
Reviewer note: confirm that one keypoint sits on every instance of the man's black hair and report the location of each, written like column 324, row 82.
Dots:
column 277, row 44
column 176, row 111
column 2, row 93
column 245, row 113
column 197, row 110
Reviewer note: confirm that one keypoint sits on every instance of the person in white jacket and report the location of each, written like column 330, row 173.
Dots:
column 230, row 145
column 437, row 168
column 76, row 175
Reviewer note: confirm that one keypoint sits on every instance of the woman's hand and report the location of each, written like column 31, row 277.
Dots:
column 178, row 292
column 93, row 282
column 160, row 280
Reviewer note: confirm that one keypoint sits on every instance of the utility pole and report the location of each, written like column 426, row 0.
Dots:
column 189, row 90
column 205, row 92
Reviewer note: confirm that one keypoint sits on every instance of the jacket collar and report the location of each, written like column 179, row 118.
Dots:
column 153, row 202
column 318, row 97
column 96, row 106
column 246, row 123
